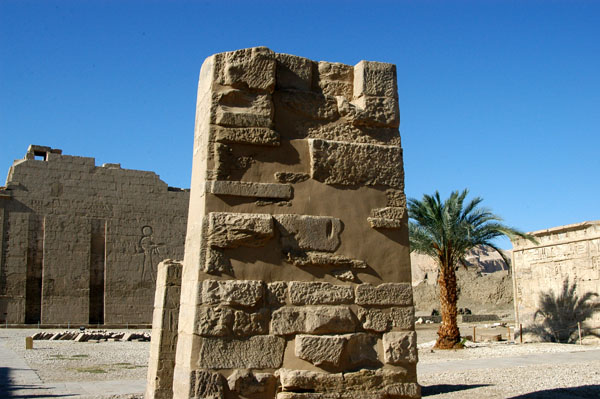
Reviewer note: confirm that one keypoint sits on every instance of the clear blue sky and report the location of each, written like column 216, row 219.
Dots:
column 501, row 97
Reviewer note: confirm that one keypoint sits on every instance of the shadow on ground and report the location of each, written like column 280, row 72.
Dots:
column 447, row 388
column 8, row 389
column 584, row 391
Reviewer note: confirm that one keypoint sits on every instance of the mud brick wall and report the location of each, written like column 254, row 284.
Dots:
column 564, row 252
column 80, row 243
column 296, row 280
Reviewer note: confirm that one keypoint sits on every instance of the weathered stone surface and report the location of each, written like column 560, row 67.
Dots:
column 335, row 79
column 252, row 385
column 345, row 275
column 400, row 347
column 252, row 68
column 363, row 380
column 231, row 230
column 214, row 321
column 238, row 108
column 232, row 292
column 318, row 233
column 319, row 293
column 375, row 79
column 216, row 262
column 312, row 320
column 277, row 293
column 291, row 177
column 246, row 135
column 314, row 258
column 347, row 164
column 259, row 351
column 384, row 294
column 294, row 72
column 248, row 189
column 308, row 105
column 395, row 198
column 396, row 391
column 251, row 323
column 386, row 218
column 335, row 351
column 207, row 385
column 382, row 320
column 220, row 322
column 371, row 111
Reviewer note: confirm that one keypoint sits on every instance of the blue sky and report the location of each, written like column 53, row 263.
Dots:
column 501, row 97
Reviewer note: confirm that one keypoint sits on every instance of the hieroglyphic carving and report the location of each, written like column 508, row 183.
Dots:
column 565, row 252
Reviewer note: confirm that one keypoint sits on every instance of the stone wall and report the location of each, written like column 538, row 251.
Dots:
column 296, row 279
column 81, row 243
column 571, row 251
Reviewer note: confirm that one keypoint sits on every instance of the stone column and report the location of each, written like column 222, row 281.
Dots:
column 296, row 277
column 164, row 330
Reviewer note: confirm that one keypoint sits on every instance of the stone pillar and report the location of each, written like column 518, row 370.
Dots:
column 296, row 277
column 164, row 330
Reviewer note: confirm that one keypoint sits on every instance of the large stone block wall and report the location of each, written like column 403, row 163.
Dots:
column 296, row 279
column 571, row 251
column 80, row 243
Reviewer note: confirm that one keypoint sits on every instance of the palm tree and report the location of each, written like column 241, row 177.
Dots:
column 446, row 231
column 561, row 313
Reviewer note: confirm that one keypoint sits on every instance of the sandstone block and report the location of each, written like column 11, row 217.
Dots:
column 259, row 351
column 319, row 293
column 214, row 321
column 408, row 390
column 382, row 320
column 277, row 293
column 252, row 68
column 293, row 72
column 251, row 323
column 335, row 79
column 345, row 275
column 375, row 79
column 371, row 111
column 232, row 292
column 400, row 347
column 207, row 385
column 315, row 258
column 238, row 108
column 315, row 381
column 371, row 164
column 253, row 385
column 291, row 177
column 307, row 105
column 246, row 135
column 337, row 351
column 231, row 230
column 384, row 294
column 386, row 218
column 249, row 189
column 306, row 232
column 312, row 320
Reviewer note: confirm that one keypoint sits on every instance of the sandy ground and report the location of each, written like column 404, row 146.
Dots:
column 56, row 361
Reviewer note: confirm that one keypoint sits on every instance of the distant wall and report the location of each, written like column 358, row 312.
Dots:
column 571, row 251
column 81, row 243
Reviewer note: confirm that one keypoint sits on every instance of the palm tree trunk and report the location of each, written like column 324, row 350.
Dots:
column 448, row 333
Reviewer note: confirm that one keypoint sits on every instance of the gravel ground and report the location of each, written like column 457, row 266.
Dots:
column 58, row 361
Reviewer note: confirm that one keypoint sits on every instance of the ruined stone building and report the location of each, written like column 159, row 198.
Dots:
column 80, row 243
column 296, row 280
column 571, row 251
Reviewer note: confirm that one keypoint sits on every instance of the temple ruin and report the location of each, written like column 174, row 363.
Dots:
column 80, row 243
column 571, row 251
column 296, row 280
